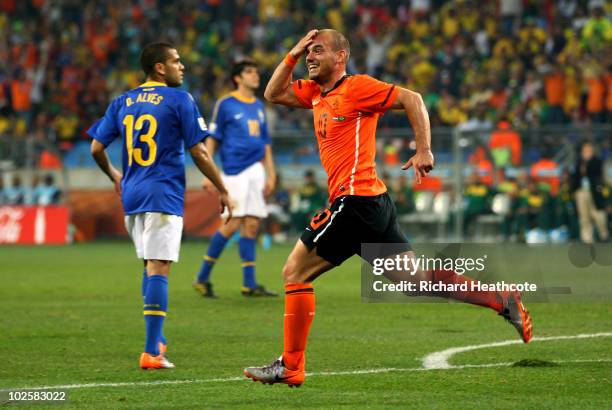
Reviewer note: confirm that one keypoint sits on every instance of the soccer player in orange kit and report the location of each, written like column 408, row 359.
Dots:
column 346, row 109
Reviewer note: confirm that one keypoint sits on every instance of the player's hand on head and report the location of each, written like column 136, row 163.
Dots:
column 302, row 45
column 422, row 162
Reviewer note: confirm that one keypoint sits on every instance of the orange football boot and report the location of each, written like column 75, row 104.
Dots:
column 148, row 361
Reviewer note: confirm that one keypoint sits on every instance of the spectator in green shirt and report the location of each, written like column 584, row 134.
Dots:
column 477, row 199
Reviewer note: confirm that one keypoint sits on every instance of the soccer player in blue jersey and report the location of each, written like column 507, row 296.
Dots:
column 156, row 121
column 239, row 130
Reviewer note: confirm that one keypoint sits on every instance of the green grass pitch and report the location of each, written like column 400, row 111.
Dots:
column 73, row 315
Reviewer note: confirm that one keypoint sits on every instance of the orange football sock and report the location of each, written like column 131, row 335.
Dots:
column 481, row 298
column 299, row 312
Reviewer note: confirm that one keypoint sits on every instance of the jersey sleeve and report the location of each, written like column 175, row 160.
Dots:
column 304, row 91
column 217, row 120
column 105, row 130
column 193, row 126
column 371, row 95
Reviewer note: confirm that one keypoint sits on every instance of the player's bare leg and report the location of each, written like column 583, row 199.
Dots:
column 155, row 306
column 506, row 304
column 229, row 228
column 301, row 268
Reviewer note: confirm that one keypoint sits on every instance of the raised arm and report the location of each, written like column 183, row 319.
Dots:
column 412, row 103
column 204, row 162
column 278, row 90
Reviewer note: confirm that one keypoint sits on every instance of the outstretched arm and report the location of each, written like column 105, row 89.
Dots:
column 278, row 90
column 412, row 103
column 205, row 164
column 98, row 151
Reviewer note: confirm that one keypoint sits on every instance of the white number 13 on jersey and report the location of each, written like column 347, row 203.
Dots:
column 135, row 154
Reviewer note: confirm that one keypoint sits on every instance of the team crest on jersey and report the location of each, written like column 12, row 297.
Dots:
column 339, row 118
column 335, row 104
column 261, row 116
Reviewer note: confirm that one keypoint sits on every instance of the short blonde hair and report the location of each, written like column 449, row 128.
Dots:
column 338, row 41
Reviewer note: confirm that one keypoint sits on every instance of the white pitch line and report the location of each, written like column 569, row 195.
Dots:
column 463, row 366
column 126, row 384
column 344, row 373
column 316, row 374
column 439, row 360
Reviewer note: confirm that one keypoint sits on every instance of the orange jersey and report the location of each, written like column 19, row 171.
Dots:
column 345, row 120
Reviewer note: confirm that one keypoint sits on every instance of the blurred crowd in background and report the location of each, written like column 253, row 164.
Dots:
column 39, row 191
column 526, row 61
column 502, row 67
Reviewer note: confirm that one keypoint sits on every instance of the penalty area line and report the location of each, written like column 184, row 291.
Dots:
column 439, row 360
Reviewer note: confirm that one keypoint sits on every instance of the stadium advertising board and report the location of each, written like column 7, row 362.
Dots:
column 33, row 225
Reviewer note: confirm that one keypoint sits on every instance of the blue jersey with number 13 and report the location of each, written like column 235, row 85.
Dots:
column 156, row 123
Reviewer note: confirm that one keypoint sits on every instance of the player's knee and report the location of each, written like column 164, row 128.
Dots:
column 250, row 227
column 157, row 273
column 158, row 267
column 250, row 232
column 291, row 273
column 228, row 229
column 287, row 271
